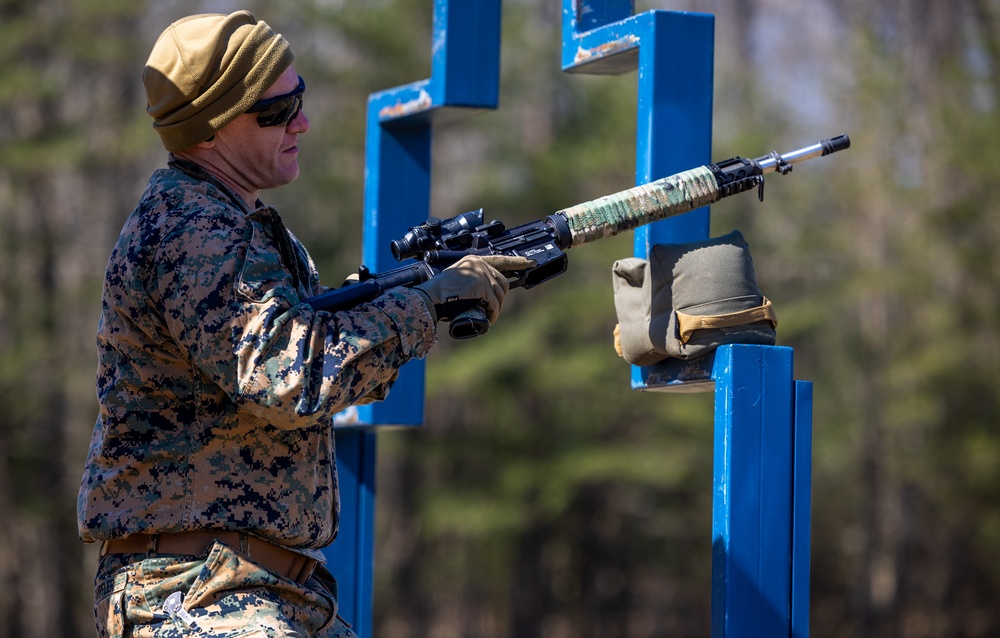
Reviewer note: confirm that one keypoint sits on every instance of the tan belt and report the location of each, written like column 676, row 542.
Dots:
column 277, row 559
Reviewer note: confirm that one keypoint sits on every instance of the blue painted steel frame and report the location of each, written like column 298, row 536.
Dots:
column 465, row 78
column 674, row 54
column 761, row 504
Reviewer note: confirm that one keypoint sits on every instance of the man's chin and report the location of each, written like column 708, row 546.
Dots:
column 286, row 176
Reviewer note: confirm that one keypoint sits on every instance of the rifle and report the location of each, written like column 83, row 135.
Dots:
column 437, row 244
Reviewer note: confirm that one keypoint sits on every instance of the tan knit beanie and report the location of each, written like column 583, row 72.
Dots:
column 205, row 70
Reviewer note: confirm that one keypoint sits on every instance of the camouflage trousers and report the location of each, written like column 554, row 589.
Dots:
column 222, row 594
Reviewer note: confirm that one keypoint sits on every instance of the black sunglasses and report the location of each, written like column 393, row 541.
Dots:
column 280, row 109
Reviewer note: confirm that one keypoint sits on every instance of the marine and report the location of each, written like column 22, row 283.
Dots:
column 210, row 482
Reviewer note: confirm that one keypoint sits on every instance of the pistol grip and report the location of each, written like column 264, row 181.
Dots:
column 468, row 324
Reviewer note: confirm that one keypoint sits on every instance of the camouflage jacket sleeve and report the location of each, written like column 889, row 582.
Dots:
column 231, row 288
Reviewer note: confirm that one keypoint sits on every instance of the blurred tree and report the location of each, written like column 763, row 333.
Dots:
column 545, row 497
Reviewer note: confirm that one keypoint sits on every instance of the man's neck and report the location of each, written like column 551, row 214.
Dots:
column 205, row 161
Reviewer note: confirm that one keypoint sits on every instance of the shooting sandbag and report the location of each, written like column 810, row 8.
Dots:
column 688, row 299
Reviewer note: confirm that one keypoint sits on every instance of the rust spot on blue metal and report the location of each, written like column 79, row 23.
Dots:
column 606, row 50
column 422, row 103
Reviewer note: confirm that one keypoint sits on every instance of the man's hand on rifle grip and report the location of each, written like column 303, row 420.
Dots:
column 469, row 282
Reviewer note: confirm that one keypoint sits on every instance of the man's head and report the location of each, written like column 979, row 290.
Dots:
column 254, row 152
column 205, row 70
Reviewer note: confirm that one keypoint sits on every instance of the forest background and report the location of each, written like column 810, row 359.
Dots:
column 544, row 497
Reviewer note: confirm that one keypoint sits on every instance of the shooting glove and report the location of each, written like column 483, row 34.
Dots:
column 469, row 282
column 508, row 263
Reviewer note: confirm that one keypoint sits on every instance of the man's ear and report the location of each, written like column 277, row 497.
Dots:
column 193, row 151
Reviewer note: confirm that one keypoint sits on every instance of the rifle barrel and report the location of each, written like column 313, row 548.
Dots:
column 677, row 194
column 773, row 162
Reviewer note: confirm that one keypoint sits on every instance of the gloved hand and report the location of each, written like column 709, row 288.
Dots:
column 472, row 279
column 508, row 263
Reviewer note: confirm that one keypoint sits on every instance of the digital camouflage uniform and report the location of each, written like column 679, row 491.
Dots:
column 217, row 387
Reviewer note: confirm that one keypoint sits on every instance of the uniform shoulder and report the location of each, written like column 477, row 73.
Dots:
column 180, row 195
column 175, row 203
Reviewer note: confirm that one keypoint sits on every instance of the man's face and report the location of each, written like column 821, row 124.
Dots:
column 263, row 157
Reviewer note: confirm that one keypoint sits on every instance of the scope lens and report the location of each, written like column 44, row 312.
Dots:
column 400, row 249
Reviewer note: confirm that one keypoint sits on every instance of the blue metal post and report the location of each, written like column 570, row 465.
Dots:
column 761, row 501
column 465, row 77
column 801, row 508
column 752, row 503
column 351, row 558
